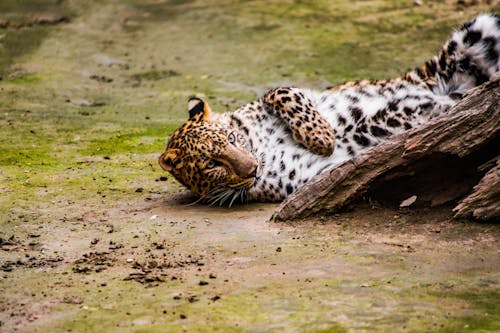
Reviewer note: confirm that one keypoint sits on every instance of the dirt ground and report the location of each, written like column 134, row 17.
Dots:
column 94, row 237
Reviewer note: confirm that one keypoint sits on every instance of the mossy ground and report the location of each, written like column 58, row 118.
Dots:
column 85, row 109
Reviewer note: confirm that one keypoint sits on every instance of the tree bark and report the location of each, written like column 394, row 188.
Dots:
column 438, row 163
column 483, row 203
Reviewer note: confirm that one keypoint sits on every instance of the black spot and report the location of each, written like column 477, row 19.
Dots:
column 378, row 131
column 341, row 120
column 282, row 91
column 236, row 120
column 491, row 53
column 298, row 123
column 420, row 73
column 393, row 105
column 408, row 111
column 291, row 175
column 352, row 98
column 431, row 67
column 289, row 188
column 442, row 61
column 350, row 151
column 297, row 98
column 361, row 140
column 380, row 115
column 464, row 64
column 270, row 130
column 393, row 122
column 362, row 129
column 295, row 157
column 280, row 141
column 348, row 128
column 282, row 166
column 356, row 113
column 427, row 106
column 452, row 46
column 466, row 25
column 472, row 37
column 286, row 99
column 407, row 125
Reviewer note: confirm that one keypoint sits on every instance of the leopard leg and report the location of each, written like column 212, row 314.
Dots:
column 299, row 113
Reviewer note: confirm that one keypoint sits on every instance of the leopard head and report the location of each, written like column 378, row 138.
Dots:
column 207, row 157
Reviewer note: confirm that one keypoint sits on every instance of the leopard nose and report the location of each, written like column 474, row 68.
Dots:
column 253, row 174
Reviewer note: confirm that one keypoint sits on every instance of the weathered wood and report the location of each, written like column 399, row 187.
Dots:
column 484, row 202
column 438, row 163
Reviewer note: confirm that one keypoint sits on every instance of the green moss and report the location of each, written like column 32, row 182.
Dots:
column 26, row 78
column 16, row 43
column 138, row 141
column 154, row 75
column 486, row 307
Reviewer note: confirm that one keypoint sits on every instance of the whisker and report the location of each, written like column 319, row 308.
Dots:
column 227, row 195
column 194, row 202
column 235, row 195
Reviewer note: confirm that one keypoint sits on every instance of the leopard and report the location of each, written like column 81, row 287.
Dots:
column 267, row 149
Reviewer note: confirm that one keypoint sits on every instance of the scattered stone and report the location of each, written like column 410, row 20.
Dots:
column 115, row 246
column 408, row 202
column 203, row 283
column 10, row 244
column 72, row 300
column 159, row 246
column 85, row 102
column 4, row 24
column 192, row 299
column 215, row 298
column 48, row 19
column 278, row 249
column 93, row 262
column 101, row 78
column 139, row 190
column 106, row 60
column 154, row 75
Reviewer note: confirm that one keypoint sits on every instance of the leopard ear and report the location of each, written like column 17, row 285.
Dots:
column 169, row 160
column 198, row 109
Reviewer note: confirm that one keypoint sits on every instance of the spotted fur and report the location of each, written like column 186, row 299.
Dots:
column 267, row 149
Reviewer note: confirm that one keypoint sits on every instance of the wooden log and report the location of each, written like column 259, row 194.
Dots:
column 437, row 162
column 484, row 202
